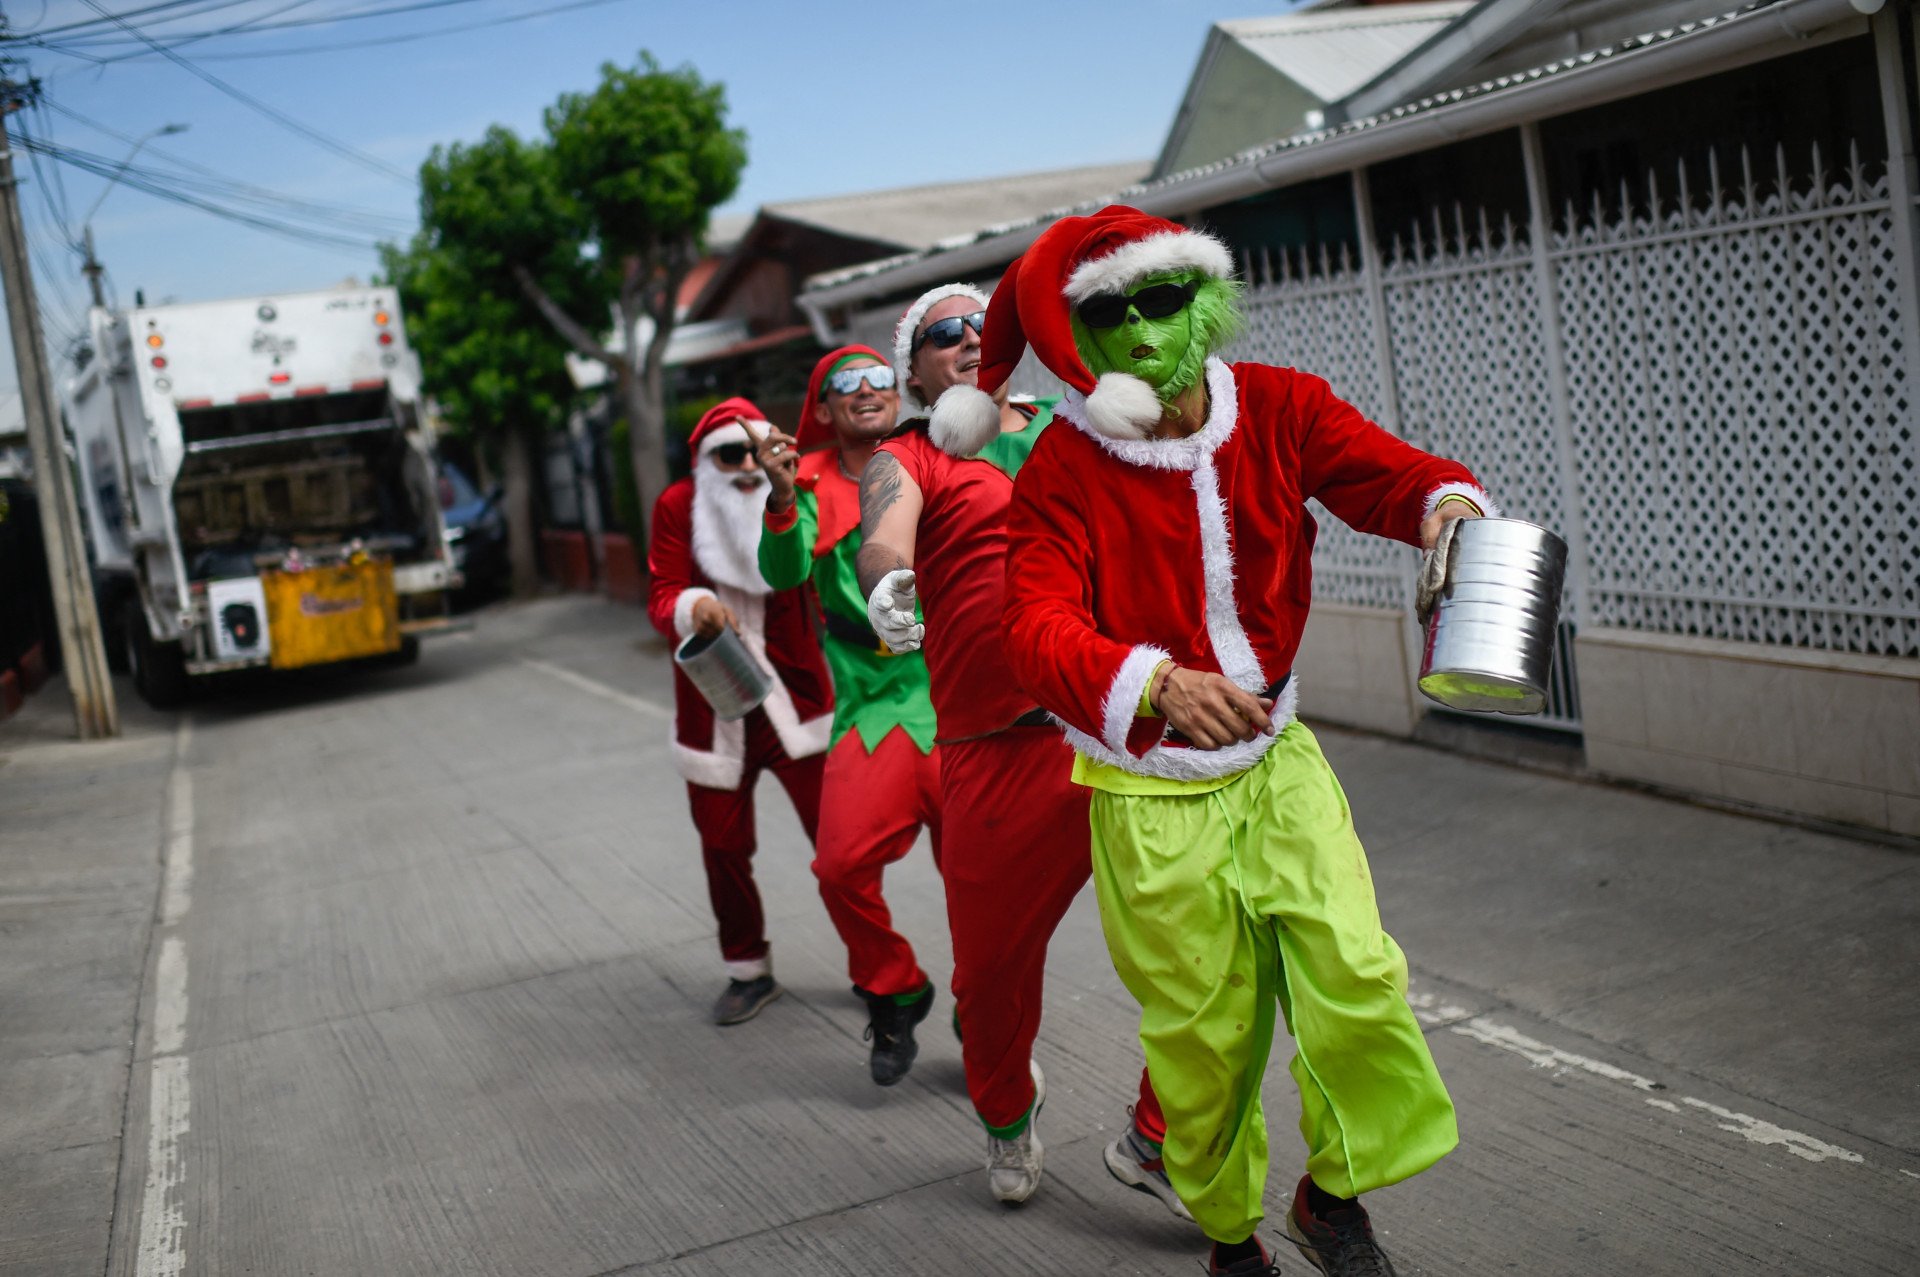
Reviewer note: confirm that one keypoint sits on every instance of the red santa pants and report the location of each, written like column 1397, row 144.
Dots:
column 1015, row 853
column 872, row 808
column 724, row 819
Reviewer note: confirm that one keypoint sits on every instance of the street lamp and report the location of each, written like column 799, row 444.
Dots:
column 92, row 268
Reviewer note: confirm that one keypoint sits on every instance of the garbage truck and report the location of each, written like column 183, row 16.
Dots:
column 258, row 487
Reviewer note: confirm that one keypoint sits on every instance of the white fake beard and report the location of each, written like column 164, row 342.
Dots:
column 726, row 527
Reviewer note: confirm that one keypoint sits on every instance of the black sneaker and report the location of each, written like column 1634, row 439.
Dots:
column 1260, row 1265
column 890, row 1029
column 744, row 999
column 1339, row 1243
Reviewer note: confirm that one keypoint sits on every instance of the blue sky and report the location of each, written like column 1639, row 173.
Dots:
column 834, row 98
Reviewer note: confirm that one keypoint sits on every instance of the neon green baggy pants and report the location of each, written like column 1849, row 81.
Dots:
column 1219, row 906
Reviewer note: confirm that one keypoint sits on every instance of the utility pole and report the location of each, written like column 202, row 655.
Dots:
column 83, row 655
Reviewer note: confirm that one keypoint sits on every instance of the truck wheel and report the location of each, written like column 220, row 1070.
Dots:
column 407, row 653
column 159, row 669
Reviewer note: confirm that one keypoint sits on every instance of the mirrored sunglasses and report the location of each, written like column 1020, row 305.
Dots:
column 1157, row 301
column 946, row 334
column 847, row 380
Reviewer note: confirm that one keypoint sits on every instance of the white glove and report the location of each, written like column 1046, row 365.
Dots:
column 890, row 612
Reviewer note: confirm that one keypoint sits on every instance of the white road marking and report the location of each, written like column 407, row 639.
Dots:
column 170, row 998
column 638, row 705
column 162, row 1247
column 163, row 1216
column 1752, row 1129
column 176, row 891
column 1759, row 1132
column 1910, row 1174
column 1481, row 1029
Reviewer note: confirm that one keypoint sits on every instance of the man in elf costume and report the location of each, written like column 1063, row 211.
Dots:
column 883, row 773
column 704, row 558
column 1157, row 584
column 933, row 508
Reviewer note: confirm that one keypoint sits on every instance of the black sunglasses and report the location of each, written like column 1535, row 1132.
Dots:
column 1109, row 310
column 731, row 454
column 946, row 334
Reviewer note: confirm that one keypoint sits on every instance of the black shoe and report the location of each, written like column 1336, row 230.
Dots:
column 1339, row 1243
column 890, row 1029
column 744, row 999
column 1260, row 1265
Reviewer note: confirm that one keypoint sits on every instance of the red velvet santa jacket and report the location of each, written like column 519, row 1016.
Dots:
column 1126, row 552
column 776, row 626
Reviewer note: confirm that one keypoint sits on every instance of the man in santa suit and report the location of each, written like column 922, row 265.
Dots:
column 704, row 561
column 933, row 521
column 882, row 779
column 1157, row 581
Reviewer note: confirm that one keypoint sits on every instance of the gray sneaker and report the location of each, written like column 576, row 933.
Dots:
column 744, row 999
column 1013, row 1166
column 1136, row 1162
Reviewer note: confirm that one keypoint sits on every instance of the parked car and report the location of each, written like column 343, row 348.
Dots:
column 476, row 533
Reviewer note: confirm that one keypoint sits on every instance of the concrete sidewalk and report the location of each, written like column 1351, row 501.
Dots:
column 423, row 991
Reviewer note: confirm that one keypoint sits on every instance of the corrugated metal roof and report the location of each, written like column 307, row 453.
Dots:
column 1251, row 158
column 922, row 217
column 1332, row 54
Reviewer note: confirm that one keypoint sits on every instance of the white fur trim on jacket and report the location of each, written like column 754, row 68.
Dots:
column 904, row 330
column 964, row 421
column 683, row 608
column 1471, row 491
column 1168, row 454
column 1117, row 712
column 1181, row 762
column 1157, row 254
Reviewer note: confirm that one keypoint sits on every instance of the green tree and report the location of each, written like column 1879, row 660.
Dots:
column 496, row 368
column 635, row 168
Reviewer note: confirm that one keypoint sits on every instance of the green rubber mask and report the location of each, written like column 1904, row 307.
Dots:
column 1169, row 353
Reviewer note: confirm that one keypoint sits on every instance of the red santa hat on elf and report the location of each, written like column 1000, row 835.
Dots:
column 811, row 433
column 1074, row 259
column 721, row 424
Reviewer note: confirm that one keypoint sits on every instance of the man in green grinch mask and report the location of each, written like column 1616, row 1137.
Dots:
column 1158, row 579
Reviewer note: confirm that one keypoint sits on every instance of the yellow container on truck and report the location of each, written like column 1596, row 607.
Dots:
column 324, row 614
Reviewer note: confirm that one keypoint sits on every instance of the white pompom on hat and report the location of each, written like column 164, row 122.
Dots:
column 1074, row 259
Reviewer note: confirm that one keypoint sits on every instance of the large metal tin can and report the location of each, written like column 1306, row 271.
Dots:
column 1489, row 640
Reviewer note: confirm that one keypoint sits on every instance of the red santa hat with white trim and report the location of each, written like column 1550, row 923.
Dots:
column 721, row 424
column 1074, row 259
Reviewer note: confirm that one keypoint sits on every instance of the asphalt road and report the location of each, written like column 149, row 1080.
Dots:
column 406, row 971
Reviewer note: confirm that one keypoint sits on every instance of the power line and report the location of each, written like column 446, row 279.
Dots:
column 246, row 99
column 218, row 183
column 382, row 41
column 145, row 180
column 261, row 25
column 204, row 7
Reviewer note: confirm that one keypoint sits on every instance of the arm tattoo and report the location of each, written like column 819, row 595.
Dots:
column 879, row 489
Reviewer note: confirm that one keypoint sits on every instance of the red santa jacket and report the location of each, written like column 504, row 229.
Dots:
column 776, row 627
column 1125, row 552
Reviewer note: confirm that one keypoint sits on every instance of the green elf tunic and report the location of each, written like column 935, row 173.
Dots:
column 874, row 690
